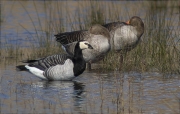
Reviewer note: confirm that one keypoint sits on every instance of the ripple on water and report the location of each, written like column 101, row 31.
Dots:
column 93, row 92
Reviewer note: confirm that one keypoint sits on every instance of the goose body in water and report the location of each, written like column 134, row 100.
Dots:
column 59, row 67
column 97, row 35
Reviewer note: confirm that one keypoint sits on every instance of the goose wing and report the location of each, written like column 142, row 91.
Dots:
column 114, row 25
column 47, row 62
column 70, row 37
column 69, row 48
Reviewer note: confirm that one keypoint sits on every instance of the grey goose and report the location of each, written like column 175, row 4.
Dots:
column 97, row 35
column 125, row 35
column 60, row 66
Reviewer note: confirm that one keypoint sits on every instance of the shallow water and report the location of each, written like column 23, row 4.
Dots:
column 92, row 92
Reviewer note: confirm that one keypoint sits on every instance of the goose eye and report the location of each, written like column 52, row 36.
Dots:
column 86, row 43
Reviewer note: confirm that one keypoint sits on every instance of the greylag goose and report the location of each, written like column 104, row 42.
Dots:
column 97, row 35
column 125, row 35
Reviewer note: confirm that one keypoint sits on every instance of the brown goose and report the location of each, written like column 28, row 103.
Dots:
column 125, row 36
column 97, row 35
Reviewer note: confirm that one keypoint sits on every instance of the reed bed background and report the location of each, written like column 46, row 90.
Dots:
column 159, row 49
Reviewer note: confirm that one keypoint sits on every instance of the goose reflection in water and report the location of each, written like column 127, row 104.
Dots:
column 67, row 94
column 71, row 87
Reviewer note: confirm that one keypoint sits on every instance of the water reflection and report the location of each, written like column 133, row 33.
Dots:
column 92, row 92
column 71, row 88
column 48, row 94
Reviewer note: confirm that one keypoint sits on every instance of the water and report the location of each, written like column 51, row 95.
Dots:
column 93, row 91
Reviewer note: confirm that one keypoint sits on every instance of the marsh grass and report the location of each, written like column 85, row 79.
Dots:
column 96, row 14
column 44, row 33
column 1, row 17
column 158, row 50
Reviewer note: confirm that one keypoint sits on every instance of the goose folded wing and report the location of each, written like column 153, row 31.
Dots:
column 69, row 37
column 49, row 61
column 69, row 48
column 114, row 25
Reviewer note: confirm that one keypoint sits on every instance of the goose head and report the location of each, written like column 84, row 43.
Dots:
column 84, row 45
column 137, row 22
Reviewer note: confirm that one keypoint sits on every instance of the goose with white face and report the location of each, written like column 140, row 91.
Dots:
column 85, row 45
column 97, row 35
column 58, row 67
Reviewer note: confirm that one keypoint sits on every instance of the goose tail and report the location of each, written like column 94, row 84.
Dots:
column 21, row 68
column 60, row 37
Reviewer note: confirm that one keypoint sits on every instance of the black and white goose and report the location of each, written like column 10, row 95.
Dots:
column 125, row 35
column 97, row 35
column 58, row 67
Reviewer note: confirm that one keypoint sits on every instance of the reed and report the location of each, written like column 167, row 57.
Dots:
column 158, row 50
column 96, row 14
column 45, row 31
column 1, row 17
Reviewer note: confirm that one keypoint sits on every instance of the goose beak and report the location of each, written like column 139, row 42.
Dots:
column 127, row 22
column 90, row 47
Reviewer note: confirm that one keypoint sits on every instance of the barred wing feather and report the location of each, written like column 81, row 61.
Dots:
column 49, row 61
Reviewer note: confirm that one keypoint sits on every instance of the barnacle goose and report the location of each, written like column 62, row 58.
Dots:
column 125, row 36
column 59, row 67
column 97, row 35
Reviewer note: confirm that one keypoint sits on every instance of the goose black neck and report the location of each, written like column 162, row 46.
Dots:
column 79, row 62
column 78, row 52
